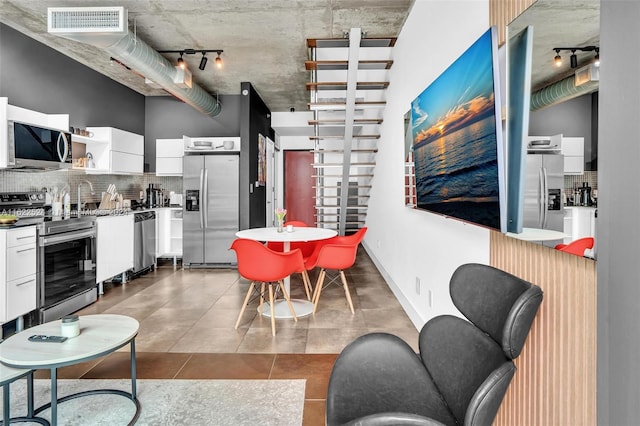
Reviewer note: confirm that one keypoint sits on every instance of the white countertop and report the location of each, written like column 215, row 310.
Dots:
column 536, row 234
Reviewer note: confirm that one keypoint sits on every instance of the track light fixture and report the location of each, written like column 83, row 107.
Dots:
column 558, row 59
column 203, row 60
column 573, row 59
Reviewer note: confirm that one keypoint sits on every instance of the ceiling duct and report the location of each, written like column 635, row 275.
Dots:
column 106, row 27
column 562, row 90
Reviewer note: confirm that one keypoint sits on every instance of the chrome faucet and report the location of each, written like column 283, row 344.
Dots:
column 79, row 192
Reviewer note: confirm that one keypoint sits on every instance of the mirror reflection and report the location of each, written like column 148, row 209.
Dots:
column 561, row 185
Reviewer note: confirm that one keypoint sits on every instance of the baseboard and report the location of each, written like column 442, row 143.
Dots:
column 413, row 315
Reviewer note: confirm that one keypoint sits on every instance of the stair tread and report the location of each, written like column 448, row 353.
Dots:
column 356, row 150
column 339, row 176
column 342, row 85
column 340, row 164
column 338, row 214
column 352, row 197
column 340, row 186
column 337, row 207
column 334, row 122
column 382, row 64
column 315, row 138
column 344, row 42
column 343, row 105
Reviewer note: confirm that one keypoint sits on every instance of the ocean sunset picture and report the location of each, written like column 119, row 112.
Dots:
column 456, row 134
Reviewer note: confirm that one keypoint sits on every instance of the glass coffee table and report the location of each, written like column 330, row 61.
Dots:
column 100, row 335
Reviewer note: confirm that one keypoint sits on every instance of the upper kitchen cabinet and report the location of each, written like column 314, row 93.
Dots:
column 114, row 151
column 573, row 151
column 169, row 153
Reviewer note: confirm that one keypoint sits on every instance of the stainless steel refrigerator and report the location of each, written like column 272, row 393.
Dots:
column 544, row 184
column 210, row 213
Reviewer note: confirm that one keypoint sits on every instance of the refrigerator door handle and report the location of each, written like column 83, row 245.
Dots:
column 540, row 196
column 202, row 195
column 205, row 200
column 545, row 197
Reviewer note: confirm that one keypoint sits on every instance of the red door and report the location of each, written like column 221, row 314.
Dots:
column 298, row 186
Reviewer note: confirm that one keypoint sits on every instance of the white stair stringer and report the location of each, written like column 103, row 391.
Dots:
column 348, row 79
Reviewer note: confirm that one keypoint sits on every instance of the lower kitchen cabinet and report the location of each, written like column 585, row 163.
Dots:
column 169, row 231
column 114, row 246
column 579, row 222
column 18, row 281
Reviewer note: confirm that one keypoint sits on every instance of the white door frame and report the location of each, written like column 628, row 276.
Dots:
column 271, row 195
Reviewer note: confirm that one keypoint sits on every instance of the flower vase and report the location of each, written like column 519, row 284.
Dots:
column 280, row 225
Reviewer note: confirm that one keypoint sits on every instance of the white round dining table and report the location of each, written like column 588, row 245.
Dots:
column 299, row 234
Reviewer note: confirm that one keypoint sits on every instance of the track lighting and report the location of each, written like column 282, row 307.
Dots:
column 203, row 61
column 558, row 59
column 573, row 59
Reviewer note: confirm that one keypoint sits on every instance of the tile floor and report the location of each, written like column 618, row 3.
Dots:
column 187, row 320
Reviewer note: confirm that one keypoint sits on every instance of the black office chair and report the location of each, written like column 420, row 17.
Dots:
column 463, row 369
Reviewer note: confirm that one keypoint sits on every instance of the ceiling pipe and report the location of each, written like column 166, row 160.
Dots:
column 560, row 91
column 86, row 25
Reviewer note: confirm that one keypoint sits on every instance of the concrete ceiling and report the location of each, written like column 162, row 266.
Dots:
column 264, row 41
column 559, row 23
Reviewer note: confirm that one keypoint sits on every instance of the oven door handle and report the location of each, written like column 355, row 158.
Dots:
column 70, row 236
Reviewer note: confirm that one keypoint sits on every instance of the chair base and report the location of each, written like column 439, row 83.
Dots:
column 302, row 308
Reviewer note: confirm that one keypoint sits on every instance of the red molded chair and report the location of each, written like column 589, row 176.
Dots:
column 578, row 246
column 305, row 247
column 337, row 253
column 259, row 264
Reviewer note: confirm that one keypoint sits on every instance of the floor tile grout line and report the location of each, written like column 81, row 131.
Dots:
column 273, row 364
column 183, row 365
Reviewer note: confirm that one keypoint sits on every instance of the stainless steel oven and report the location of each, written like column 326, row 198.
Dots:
column 67, row 266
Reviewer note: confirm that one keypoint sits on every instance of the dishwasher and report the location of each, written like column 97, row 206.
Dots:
column 144, row 241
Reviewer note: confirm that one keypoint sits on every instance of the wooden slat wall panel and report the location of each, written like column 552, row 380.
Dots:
column 501, row 12
column 556, row 379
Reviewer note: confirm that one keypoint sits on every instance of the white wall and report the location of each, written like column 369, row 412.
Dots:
column 618, row 207
column 406, row 243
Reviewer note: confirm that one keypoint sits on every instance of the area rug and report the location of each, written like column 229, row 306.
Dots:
column 172, row 402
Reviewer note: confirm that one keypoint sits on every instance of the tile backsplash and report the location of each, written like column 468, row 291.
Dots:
column 127, row 185
column 575, row 181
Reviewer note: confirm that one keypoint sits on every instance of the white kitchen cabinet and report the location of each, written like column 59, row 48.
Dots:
column 573, row 151
column 18, row 281
column 169, row 223
column 169, row 153
column 114, row 246
column 114, row 151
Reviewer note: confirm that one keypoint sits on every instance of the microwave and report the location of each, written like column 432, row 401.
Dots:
column 35, row 147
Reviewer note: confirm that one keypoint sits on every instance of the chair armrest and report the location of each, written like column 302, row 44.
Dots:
column 396, row 419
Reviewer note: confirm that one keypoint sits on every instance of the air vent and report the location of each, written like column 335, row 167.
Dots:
column 85, row 19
